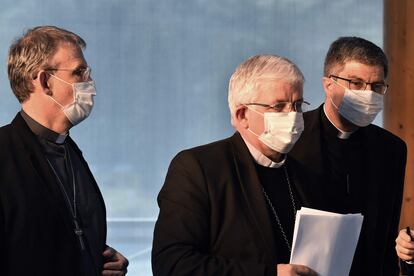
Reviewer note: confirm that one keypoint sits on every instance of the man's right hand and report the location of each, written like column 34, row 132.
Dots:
column 294, row 270
column 405, row 246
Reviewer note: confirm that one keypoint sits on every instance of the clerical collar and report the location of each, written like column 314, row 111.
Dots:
column 262, row 159
column 339, row 133
column 43, row 131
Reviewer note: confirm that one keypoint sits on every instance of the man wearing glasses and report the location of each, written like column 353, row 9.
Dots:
column 353, row 166
column 228, row 208
column 52, row 215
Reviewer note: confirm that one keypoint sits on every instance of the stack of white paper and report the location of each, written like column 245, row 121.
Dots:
column 325, row 241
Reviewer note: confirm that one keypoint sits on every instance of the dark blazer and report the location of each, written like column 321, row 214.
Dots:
column 36, row 231
column 213, row 217
column 384, row 169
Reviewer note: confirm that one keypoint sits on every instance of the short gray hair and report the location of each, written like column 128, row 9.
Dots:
column 245, row 80
column 31, row 53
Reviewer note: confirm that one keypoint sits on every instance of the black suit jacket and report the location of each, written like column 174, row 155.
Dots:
column 385, row 156
column 36, row 231
column 213, row 216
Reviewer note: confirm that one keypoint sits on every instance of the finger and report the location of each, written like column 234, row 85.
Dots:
column 405, row 251
column 304, row 270
column 118, row 265
column 404, row 236
column 408, row 245
column 109, row 252
column 113, row 265
column 403, row 247
column 122, row 258
column 405, row 257
column 113, row 273
column 124, row 261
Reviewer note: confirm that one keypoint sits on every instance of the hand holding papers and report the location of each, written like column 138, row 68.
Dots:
column 325, row 241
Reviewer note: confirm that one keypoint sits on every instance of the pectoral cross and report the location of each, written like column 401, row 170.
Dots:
column 79, row 233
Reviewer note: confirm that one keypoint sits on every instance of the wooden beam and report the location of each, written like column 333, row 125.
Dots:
column 399, row 100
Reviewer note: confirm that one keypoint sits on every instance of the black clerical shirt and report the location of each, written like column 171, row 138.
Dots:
column 344, row 163
column 345, row 181
column 275, row 184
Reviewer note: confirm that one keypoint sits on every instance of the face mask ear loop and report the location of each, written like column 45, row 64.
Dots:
column 61, row 106
column 61, row 80
column 251, row 131
column 332, row 102
column 248, row 129
column 254, row 110
column 71, row 84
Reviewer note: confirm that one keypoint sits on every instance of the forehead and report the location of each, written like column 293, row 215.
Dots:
column 68, row 56
column 270, row 91
column 355, row 69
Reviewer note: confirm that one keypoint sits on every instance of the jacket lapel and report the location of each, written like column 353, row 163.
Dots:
column 256, row 208
column 306, row 162
column 39, row 164
column 308, row 150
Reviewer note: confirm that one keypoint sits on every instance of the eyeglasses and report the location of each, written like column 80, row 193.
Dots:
column 83, row 73
column 377, row 87
column 298, row 106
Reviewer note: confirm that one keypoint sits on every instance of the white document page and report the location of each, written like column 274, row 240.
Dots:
column 325, row 241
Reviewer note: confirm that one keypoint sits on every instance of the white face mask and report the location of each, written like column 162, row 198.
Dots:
column 81, row 107
column 281, row 130
column 360, row 107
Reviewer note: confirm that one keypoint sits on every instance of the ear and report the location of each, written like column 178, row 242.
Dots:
column 327, row 85
column 240, row 116
column 43, row 78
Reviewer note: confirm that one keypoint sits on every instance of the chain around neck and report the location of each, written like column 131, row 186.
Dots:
column 274, row 210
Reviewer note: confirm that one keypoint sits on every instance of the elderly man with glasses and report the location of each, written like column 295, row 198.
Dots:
column 354, row 166
column 228, row 208
column 52, row 214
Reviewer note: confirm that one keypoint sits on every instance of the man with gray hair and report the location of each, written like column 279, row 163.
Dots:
column 228, row 208
column 52, row 214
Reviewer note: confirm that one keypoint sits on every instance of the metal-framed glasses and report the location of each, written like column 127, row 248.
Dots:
column 83, row 73
column 298, row 106
column 355, row 84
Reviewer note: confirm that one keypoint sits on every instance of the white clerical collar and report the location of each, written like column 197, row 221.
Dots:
column 341, row 134
column 262, row 159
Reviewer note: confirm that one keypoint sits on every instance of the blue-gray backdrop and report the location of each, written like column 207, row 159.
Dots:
column 162, row 69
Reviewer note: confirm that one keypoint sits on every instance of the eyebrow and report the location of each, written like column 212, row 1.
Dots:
column 355, row 77
column 283, row 101
column 358, row 78
column 81, row 66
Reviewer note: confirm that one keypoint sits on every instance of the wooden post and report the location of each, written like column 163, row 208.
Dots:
column 399, row 100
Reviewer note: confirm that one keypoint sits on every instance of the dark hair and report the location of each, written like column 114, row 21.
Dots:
column 32, row 52
column 353, row 48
